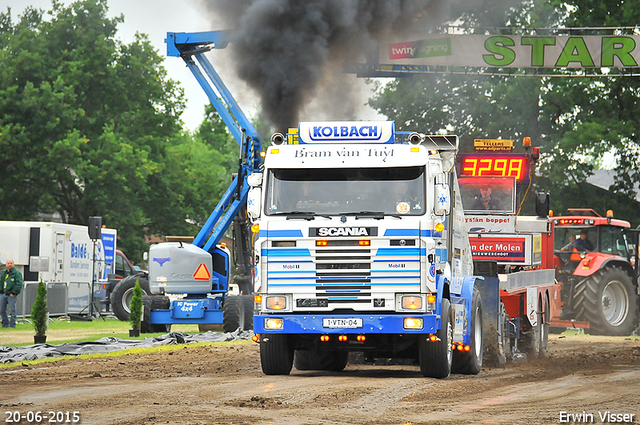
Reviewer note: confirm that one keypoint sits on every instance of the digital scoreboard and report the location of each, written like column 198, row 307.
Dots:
column 494, row 165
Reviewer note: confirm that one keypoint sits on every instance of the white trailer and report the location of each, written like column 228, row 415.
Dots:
column 61, row 255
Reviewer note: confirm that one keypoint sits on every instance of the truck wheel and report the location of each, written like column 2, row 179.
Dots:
column 122, row 293
column 470, row 362
column 276, row 354
column 334, row 361
column 608, row 301
column 154, row 302
column 435, row 358
column 231, row 313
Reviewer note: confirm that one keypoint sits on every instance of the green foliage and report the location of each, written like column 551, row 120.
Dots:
column 136, row 306
column 39, row 311
column 91, row 126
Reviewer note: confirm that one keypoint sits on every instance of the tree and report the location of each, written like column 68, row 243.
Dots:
column 39, row 311
column 85, row 122
column 135, row 307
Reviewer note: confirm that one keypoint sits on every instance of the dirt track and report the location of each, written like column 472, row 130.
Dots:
column 224, row 385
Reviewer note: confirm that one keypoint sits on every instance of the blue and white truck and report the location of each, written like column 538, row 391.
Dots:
column 357, row 243
column 361, row 246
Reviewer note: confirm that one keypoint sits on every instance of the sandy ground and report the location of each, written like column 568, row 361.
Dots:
column 223, row 384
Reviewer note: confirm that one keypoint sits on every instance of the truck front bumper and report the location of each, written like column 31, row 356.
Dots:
column 357, row 323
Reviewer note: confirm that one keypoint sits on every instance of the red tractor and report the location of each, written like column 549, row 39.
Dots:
column 596, row 262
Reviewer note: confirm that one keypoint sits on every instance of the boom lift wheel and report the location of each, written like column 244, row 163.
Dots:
column 237, row 313
column 154, row 302
column 435, row 357
column 122, row 293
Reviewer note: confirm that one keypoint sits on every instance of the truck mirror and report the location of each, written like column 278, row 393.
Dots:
column 442, row 202
column 542, row 205
column 254, row 179
column 254, row 202
column 145, row 256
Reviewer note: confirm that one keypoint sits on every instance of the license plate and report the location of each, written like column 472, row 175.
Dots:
column 348, row 323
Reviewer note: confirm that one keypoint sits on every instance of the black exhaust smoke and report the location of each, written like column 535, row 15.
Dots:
column 287, row 50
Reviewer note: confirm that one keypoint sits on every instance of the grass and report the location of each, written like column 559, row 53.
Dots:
column 63, row 331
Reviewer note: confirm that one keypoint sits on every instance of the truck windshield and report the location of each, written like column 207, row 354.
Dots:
column 345, row 191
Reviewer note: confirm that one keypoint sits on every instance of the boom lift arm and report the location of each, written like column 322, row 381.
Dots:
column 191, row 47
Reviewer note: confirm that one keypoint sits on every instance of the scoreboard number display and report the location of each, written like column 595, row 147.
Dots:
column 494, row 165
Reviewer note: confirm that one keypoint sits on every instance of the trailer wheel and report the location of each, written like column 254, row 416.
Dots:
column 470, row 362
column 543, row 324
column 608, row 301
column 334, row 361
column 276, row 354
column 231, row 313
column 154, row 302
column 436, row 357
column 122, row 293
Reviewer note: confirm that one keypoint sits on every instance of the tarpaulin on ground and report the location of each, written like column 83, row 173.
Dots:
column 109, row 344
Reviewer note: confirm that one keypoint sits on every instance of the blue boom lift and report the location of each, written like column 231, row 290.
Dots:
column 201, row 270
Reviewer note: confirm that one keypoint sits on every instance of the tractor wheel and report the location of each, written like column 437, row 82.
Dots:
column 470, row 362
column 608, row 301
column 435, row 357
column 276, row 354
column 122, row 293
column 334, row 361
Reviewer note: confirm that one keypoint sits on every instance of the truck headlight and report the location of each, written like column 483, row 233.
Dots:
column 273, row 324
column 413, row 323
column 411, row 302
column 276, row 302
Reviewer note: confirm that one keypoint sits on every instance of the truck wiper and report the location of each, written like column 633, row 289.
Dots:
column 303, row 215
column 376, row 215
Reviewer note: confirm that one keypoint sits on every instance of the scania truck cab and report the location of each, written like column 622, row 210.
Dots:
column 361, row 246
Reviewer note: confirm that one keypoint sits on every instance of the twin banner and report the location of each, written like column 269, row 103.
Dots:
column 513, row 51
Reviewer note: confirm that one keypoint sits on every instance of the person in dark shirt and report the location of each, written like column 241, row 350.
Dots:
column 583, row 243
column 11, row 282
column 485, row 201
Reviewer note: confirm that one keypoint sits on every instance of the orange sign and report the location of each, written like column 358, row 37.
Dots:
column 202, row 273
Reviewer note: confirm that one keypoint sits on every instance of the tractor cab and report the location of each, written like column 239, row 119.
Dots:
column 585, row 231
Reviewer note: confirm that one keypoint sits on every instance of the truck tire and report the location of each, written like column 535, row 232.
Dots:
column 470, row 362
column 122, row 293
column 231, row 313
column 334, row 361
column 153, row 302
column 436, row 357
column 608, row 301
column 276, row 354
